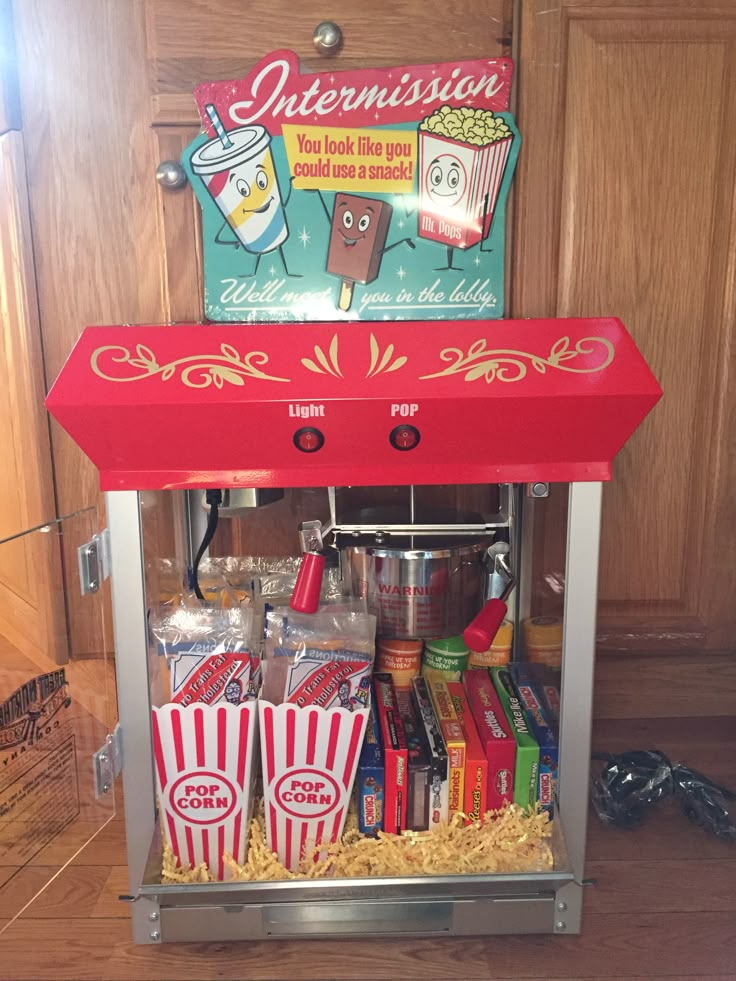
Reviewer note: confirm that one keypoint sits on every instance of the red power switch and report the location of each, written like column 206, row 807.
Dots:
column 308, row 440
column 404, row 437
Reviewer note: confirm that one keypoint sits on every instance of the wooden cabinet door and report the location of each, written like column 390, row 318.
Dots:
column 31, row 605
column 625, row 206
column 106, row 93
column 382, row 34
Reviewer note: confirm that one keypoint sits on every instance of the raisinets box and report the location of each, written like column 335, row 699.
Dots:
column 454, row 738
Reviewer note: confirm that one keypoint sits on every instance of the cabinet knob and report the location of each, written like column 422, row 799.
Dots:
column 327, row 38
column 171, row 175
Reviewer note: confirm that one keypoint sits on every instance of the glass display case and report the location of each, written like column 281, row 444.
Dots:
column 419, row 476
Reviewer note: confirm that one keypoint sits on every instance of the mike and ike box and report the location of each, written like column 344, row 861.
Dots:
column 370, row 781
column 395, row 755
column 527, row 748
column 544, row 729
column 454, row 737
column 495, row 735
column 476, row 762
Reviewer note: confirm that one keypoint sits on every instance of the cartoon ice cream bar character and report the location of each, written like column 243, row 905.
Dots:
column 358, row 231
column 462, row 158
column 237, row 168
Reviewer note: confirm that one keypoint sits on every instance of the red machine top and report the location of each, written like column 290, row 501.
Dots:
column 300, row 405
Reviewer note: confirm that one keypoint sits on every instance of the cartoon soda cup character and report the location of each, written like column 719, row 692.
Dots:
column 237, row 168
column 462, row 158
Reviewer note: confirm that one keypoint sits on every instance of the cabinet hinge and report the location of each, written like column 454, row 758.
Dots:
column 94, row 562
column 108, row 762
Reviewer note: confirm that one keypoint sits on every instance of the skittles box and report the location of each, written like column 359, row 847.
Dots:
column 370, row 780
column 527, row 748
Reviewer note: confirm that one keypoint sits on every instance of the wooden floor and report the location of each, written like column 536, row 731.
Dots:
column 664, row 906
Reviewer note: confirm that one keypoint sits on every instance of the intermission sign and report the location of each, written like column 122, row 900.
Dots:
column 372, row 194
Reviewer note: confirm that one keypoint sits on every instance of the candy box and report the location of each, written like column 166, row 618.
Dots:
column 370, row 780
column 454, row 738
column 418, row 804
column 476, row 762
column 544, row 730
column 495, row 735
column 440, row 783
column 308, row 759
column 527, row 748
column 395, row 755
column 204, row 762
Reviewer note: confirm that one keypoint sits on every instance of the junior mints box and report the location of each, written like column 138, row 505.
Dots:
column 527, row 748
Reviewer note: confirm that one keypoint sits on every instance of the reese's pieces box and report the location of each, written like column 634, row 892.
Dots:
column 476, row 762
column 495, row 735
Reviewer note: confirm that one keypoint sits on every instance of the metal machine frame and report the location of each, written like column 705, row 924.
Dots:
column 549, row 902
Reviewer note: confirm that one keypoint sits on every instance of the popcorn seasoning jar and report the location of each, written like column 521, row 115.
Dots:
column 402, row 659
column 544, row 640
column 445, row 659
column 499, row 653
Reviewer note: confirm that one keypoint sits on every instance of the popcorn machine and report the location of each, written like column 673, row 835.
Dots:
column 497, row 418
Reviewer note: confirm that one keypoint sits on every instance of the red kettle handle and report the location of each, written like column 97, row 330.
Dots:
column 305, row 598
column 481, row 630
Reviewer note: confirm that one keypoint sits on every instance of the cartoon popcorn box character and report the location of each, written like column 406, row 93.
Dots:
column 205, row 771
column 309, row 759
column 462, row 158
column 237, row 168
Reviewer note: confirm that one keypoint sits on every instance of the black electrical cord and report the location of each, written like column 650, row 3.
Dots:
column 214, row 499
column 631, row 783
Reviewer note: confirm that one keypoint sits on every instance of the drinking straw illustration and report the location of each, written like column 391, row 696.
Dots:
column 219, row 128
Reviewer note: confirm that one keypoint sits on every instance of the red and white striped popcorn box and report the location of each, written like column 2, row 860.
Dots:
column 205, row 767
column 309, row 757
column 464, row 219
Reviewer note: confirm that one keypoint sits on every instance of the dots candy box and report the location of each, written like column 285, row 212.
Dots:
column 395, row 755
column 420, row 814
column 476, row 762
column 370, row 780
column 440, row 783
column 527, row 748
column 495, row 735
column 544, row 729
column 454, row 740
